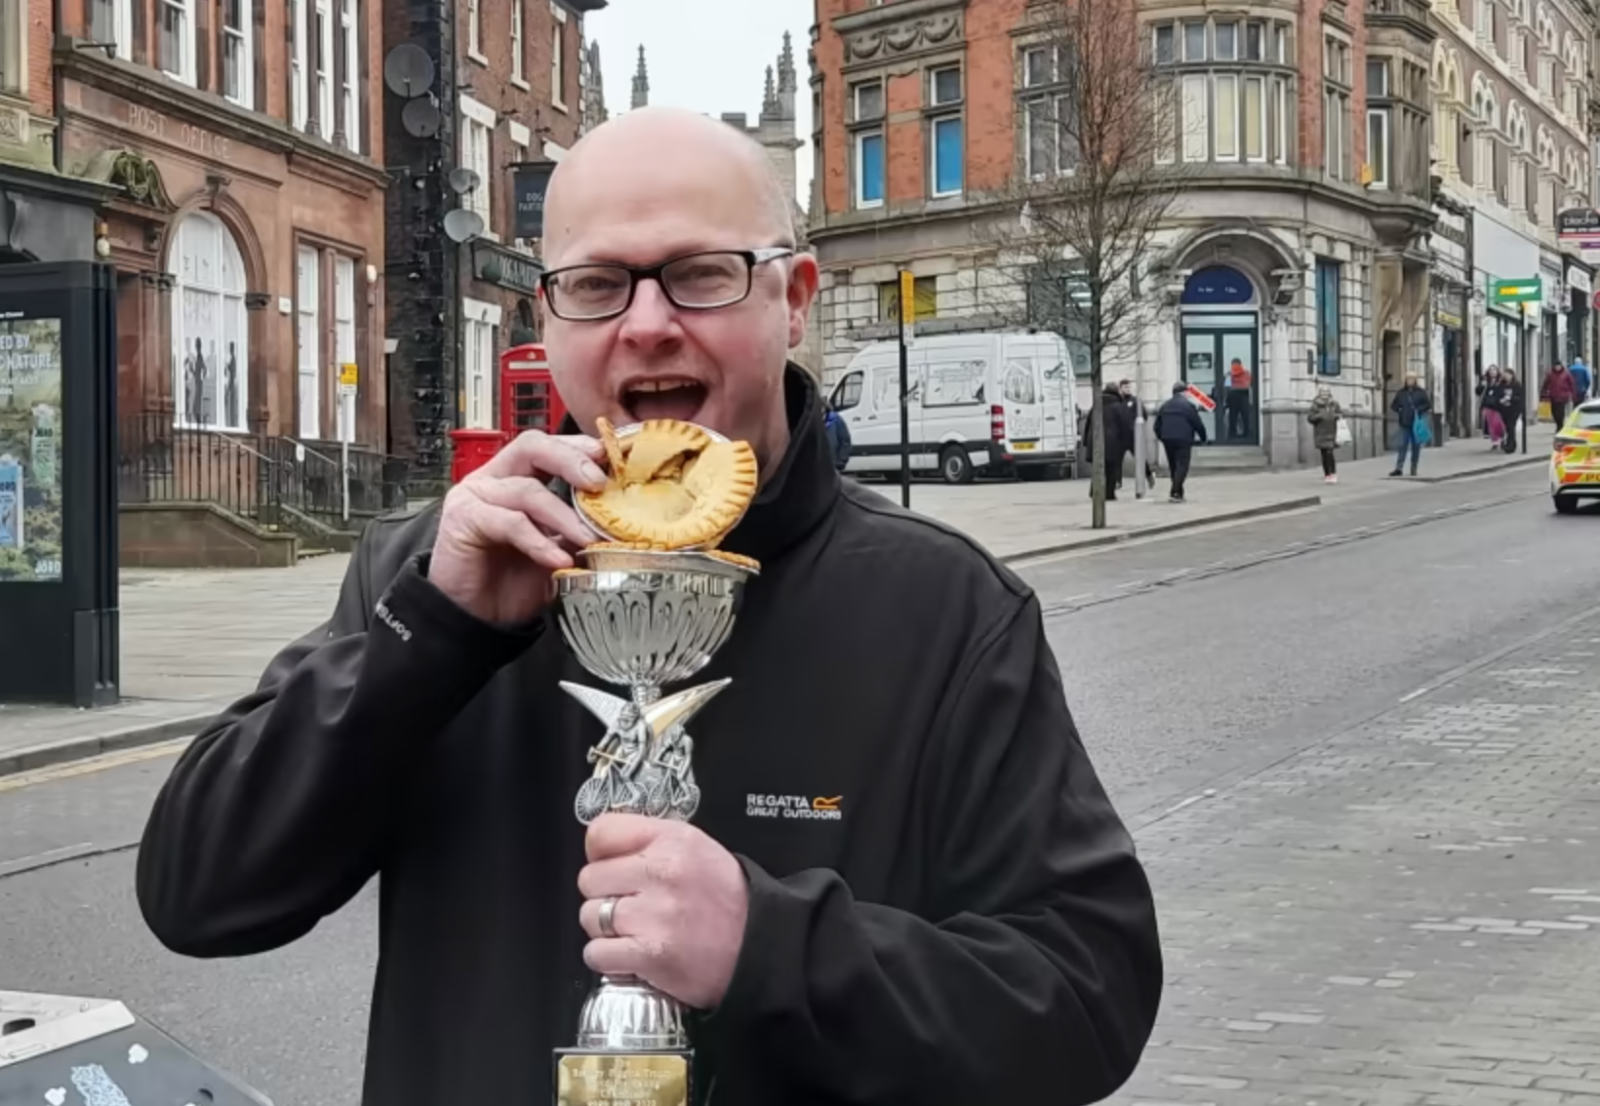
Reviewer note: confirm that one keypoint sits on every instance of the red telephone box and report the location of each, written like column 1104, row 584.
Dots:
column 528, row 401
column 528, row 396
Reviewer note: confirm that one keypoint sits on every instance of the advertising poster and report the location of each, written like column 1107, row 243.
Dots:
column 30, row 448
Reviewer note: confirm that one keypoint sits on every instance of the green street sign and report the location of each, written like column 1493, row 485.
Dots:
column 1529, row 290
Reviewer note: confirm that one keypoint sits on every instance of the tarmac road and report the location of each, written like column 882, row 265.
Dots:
column 1189, row 662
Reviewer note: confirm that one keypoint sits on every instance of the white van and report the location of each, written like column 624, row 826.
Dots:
column 990, row 402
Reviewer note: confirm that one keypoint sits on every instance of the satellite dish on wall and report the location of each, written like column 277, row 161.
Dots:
column 408, row 70
column 463, row 180
column 462, row 225
column 421, row 117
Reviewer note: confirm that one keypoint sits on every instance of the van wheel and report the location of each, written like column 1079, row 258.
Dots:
column 1566, row 504
column 955, row 466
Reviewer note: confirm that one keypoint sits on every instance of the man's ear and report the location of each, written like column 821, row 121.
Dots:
column 802, row 293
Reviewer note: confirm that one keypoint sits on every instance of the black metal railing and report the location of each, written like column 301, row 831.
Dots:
column 254, row 475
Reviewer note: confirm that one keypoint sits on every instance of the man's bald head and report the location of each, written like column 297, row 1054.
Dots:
column 648, row 147
column 654, row 204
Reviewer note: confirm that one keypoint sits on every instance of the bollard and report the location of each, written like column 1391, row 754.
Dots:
column 1140, row 447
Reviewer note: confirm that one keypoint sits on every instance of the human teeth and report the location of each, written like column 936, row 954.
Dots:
column 661, row 385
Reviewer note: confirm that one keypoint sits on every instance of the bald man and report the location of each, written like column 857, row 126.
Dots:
column 964, row 921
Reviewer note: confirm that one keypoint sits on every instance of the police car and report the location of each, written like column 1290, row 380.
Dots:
column 1575, row 459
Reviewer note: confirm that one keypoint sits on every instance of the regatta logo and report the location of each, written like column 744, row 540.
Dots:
column 820, row 809
column 386, row 616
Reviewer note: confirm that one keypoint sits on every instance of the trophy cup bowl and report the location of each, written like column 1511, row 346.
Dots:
column 644, row 619
column 640, row 619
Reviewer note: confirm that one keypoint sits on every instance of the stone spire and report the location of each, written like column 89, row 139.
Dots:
column 769, row 103
column 641, row 83
column 788, row 82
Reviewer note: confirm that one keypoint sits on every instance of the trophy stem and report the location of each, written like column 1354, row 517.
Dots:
column 645, row 694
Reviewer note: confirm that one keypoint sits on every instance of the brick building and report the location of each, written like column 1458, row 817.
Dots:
column 1299, row 245
column 245, row 226
column 505, row 83
column 46, row 214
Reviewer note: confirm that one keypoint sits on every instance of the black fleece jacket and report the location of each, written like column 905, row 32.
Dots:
column 972, row 927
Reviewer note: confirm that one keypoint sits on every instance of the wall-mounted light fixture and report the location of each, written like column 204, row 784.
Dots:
column 102, row 243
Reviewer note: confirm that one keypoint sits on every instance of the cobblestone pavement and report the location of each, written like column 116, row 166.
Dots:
column 1404, row 914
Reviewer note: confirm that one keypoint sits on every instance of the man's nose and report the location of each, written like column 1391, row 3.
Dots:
column 651, row 318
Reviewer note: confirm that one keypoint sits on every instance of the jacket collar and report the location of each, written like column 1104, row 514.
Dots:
column 799, row 493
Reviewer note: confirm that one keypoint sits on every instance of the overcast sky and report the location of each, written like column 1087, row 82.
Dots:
column 711, row 56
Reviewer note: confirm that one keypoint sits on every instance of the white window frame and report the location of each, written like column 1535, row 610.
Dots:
column 860, row 173
column 934, row 127
column 479, row 323
column 121, row 27
column 14, row 48
column 558, row 65
column 185, row 71
column 1380, row 179
column 519, row 63
column 299, row 78
column 478, row 123
column 247, row 53
column 475, row 31
column 350, row 28
column 229, row 303
column 323, row 78
column 1195, row 103
column 308, row 342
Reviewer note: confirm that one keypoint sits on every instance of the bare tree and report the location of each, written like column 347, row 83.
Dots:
column 1099, row 174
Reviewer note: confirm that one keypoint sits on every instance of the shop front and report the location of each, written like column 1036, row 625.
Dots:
column 1577, row 304
column 1510, row 332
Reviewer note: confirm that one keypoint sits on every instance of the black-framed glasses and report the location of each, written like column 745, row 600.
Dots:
column 700, row 281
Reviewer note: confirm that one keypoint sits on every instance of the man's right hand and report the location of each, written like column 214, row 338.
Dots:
column 503, row 532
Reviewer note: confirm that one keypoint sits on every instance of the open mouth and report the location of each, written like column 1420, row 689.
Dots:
column 667, row 398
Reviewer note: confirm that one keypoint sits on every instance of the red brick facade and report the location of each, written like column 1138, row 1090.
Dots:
column 274, row 337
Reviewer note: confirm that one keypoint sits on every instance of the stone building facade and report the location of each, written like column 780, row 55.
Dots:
column 1298, row 248
column 1512, row 148
column 507, row 90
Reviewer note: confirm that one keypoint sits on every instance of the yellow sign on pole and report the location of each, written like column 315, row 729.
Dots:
column 349, row 375
column 908, row 298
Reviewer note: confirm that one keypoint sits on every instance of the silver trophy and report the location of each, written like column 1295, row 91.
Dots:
column 640, row 620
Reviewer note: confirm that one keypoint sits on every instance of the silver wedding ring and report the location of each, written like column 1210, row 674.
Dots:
column 608, row 916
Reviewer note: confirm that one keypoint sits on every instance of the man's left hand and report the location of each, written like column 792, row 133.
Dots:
column 681, row 906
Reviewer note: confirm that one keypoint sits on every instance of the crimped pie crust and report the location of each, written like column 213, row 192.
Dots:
column 676, row 487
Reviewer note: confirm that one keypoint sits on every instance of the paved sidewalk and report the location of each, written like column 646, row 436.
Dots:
column 1407, row 914
column 195, row 641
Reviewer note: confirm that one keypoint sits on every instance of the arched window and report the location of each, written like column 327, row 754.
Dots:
column 210, row 334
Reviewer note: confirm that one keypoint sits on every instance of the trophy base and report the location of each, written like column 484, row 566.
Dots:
column 613, row 1077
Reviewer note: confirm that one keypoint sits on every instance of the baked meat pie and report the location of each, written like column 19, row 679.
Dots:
column 672, row 486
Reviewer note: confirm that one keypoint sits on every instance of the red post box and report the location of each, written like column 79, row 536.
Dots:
column 528, row 396
column 472, row 450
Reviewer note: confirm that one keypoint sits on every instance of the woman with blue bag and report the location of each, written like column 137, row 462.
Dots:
column 1411, row 407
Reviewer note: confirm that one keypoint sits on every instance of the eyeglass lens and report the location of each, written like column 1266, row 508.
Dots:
column 704, row 280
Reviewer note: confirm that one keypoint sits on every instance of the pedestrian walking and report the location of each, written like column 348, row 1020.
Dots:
column 838, row 435
column 1513, row 407
column 1119, row 436
column 1560, row 391
column 1324, row 418
column 1178, row 427
column 1411, row 407
column 1491, row 396
column 976, row 928
column 1582, row 379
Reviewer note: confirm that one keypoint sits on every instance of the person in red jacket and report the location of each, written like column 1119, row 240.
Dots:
column 1560, row 391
